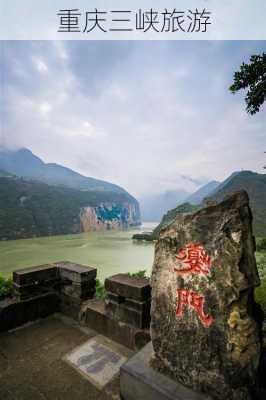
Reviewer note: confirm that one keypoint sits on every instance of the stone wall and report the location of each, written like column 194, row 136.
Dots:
column 46, row 289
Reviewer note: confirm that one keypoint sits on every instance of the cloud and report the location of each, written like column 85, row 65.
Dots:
column 147, row 116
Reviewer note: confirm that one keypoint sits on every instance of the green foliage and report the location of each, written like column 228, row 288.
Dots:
column 260, row 292
column 171, row 215
column 261, row 244
column 255, row 185
column 138, row 274
column 252, row 76
column 260, row 295
column 31, row 208
column 6, row 287
column 100, row 290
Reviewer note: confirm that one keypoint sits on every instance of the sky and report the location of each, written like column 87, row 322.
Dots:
column 148, row 116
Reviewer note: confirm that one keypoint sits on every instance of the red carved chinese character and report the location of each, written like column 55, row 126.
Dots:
column 195, row 301
column 195, row 259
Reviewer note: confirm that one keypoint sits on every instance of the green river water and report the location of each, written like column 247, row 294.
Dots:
column 110, row 252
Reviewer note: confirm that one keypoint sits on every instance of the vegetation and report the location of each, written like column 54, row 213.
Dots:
column 255, row 185
column 171, row 215
column 139, row 274
column 261, row 262
column 31, row 208
column 100, row 290
column 252, row 77
column 6, row 287
column 261, row 244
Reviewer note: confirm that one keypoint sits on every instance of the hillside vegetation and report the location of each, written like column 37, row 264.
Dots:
column 29, row 208
column 255, row 185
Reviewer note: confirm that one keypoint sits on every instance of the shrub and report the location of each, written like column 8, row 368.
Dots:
column 261, row 244
column 6, row 287
column 138, row 274
column 100, row 290
column 260, row 295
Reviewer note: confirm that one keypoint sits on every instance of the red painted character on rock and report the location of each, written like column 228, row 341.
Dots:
column 195, row 259
column 194, row 301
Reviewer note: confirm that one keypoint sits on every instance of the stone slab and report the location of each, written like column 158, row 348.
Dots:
column 75, row 272
column 98, row 360
column 35, row 275
column 128, row 287
column 139, row 381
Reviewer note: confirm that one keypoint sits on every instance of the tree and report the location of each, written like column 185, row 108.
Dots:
column 252, row 76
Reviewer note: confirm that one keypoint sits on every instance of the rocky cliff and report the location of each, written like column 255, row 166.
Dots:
column 32, row 209
column 109, row 216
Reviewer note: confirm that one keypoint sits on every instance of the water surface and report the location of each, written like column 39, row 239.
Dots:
column 110, row 252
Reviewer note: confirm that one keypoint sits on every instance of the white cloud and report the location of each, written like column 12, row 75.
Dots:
column 41, row 66
column 135, row 114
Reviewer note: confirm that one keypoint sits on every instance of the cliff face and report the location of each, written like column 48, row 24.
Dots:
column 32, row 209
column 109, row 216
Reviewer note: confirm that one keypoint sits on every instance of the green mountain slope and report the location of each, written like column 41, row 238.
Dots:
column 24, row 163
column 29, row 208
column 204, row 191
column 255, row 185
column 166, row 220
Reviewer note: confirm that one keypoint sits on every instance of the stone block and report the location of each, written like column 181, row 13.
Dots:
column 138, row 315
column 75, row 273
column 35, row 275
column 84, row 291
column 125, row 286
column 95, row 315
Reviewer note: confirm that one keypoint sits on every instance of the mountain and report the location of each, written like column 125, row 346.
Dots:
column 255, row 185
column 166, row 220
column 154, row 207
column 32, row 209
column 25, row 164
column 204, row 191
column 4, row 174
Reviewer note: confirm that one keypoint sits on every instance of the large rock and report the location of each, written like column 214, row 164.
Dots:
column 204, row 327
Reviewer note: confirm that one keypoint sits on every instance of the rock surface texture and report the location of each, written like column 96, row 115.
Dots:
column 205, row 330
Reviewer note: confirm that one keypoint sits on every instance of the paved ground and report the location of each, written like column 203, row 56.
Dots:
column 33, row 363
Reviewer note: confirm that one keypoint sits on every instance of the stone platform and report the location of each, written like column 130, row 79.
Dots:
column 34, row 365
column 139, row 381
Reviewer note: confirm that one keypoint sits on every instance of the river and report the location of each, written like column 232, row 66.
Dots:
column 110, row 252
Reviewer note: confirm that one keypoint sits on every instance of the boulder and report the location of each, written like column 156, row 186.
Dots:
column 205, row 328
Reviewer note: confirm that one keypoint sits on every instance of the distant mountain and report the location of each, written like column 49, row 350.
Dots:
column 4, row 174
column 154, row 207
column 25, row 164
column 166, row 220
column 202, row 192
column 255, row 185
column 32, row 208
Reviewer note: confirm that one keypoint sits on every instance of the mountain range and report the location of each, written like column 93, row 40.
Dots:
column 24, row 163
column 253, row 183
column 39, row 199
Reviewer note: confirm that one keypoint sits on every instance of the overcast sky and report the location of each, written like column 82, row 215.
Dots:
column 144, row 115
